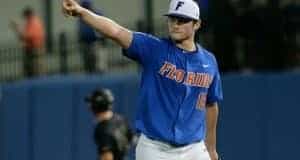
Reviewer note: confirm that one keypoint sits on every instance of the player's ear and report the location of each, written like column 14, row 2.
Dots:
column 197, row 25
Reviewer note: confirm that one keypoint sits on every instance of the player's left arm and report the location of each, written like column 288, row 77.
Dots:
column 214, row 96
column 212, row 112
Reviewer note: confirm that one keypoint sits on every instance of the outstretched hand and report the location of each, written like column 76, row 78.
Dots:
column 71, row 8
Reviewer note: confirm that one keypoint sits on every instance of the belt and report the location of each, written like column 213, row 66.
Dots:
column 175, row 145
column 171, row 144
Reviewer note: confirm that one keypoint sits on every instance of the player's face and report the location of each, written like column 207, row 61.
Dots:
column 106, row 156
column 181, row 29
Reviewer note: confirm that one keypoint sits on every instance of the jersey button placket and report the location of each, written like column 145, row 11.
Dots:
column 178, row 131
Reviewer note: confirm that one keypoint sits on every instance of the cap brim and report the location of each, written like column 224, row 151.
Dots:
column 106, row 149
column 180, row 16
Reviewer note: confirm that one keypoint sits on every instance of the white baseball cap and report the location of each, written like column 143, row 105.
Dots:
column 184, row 9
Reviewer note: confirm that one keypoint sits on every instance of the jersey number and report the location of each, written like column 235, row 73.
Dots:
column 201, row 102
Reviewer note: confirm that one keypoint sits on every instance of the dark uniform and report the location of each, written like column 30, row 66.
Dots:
column 112, row 135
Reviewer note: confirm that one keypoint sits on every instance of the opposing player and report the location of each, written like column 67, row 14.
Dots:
column 180, row 86
column 112, row 133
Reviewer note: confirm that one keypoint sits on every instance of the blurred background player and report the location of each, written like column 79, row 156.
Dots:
column 112, row 133
column 32, row 36
column 88, row 39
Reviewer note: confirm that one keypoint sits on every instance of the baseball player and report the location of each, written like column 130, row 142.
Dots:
column 112, row 133
column 180, row 86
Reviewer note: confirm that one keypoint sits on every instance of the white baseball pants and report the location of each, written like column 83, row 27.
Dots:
column 148, row 149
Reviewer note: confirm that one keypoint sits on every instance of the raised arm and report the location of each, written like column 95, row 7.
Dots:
column 104, row 25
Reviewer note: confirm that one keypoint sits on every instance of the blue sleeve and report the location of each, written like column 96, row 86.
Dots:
column 142, row 48
column 215, row 93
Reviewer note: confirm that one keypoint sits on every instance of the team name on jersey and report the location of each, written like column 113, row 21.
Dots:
column 197, row 79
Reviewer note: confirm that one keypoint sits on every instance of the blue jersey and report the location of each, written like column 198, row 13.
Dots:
column 175, row 88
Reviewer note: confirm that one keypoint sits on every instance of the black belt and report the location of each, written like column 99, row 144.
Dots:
column 174, row 145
